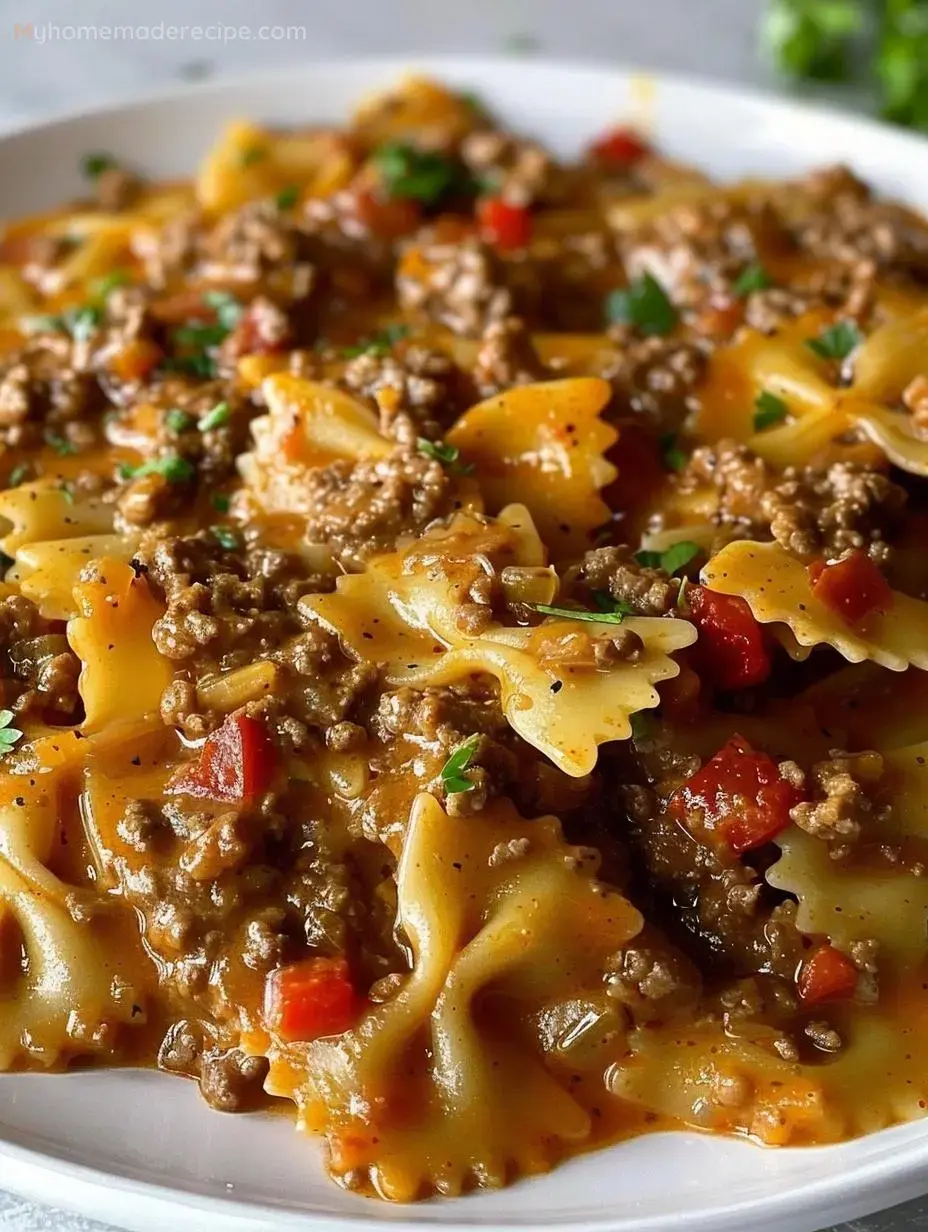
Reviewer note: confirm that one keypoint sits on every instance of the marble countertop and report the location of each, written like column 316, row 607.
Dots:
column 46, row 71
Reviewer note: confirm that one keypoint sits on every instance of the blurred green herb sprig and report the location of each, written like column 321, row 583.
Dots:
column 883, row 43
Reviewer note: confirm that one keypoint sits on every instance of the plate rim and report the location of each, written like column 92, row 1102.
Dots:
column 891, row 1177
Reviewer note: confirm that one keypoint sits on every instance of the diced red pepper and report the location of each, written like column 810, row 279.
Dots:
column 503, row 224
column 136, row 360
column 740, row 796
column 732, row 651
column 235, row 764
column 826, row 975
column 310, row 999
column 853, row 587
column 388, row 220
column 620, row 147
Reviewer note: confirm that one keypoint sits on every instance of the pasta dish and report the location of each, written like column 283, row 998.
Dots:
column 463, row 642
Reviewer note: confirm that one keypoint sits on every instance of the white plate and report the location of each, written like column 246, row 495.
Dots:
column 141, row 1150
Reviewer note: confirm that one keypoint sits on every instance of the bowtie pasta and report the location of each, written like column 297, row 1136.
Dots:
column 463, row 627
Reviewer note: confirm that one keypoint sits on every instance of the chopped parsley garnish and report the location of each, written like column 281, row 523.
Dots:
column 447, row 455
column 227, row 308
column 179, row 421
column 287, row 198
column 379, row 343
column 420, row 175
column 215, row 418
column 101, row 287
column 643, row 304
column 17, row 475
column 200, row 365
column 837, row 342
column 67, row 494
column 614, row 616
column 454, row 772
column 8, row 735
column 173, row 468
column 752, row 278
column 220, row 502
column 768, row 410
column 61, row 445
column 227, row 538
column 93, row 165
column 81, row 323
column 673, row 457
column 644, row 725
column 674, row 558
column 254, row 154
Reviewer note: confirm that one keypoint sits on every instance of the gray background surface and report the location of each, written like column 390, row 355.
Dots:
column 715, row 38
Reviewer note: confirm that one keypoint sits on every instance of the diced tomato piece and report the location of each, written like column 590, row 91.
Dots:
column 136, row 360
column 732, row 651
column 235, row 764
column 826, row 975
column 387, row 219
column 740, row 796
column 505, row 225
column 721, row 317
column 853, row 587
column 620, row 147
column 310, row 999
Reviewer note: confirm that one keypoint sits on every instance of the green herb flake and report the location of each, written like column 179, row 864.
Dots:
column 836, row 342
column 179, row 421
column 752, row 278
column 44, row 323
column 454, row 772
column 172, row 467
column 227, row 308
column 447, row 455
column 673, row 457
column 675, row 557
column 61, row 445
column 420, row 175
column 220, row 502
column 93, row 165
column 645, row 305
column 644, row 725
column 614, row 616
column 17, row 475
column 227, row 538
column 287, row 198
column 768, row 410
column 215, row 418
column 84, row 322
column 100, row 288
column 254, row 154
column 380, row 343
column 8, row 735
column 67, row 494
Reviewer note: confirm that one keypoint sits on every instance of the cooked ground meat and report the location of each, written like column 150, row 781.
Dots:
column 418, row 395
column 117, row 188
column 38, row 670
column 44, row 397
column 506, row 357
column 461, row 285
column 843, row 222
column 657, row 377
column 522, row 172
column 825, row 513
column 842, row 806
column 358, row 509
column 616, row 572
column 739, row 477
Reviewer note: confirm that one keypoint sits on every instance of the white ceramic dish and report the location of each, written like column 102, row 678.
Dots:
column 141, row 1150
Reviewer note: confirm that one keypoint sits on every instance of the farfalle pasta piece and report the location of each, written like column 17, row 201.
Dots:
column 534, row 930
column 249, row 162
column 402, row 612
column 564, row 706
column 70, row 986
column 308, row 424
column 122, row 673
column 48, row 571
column 43, row 510
column 16, row 296
column 848, row 903
column 543, row 445
column 777, row 588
